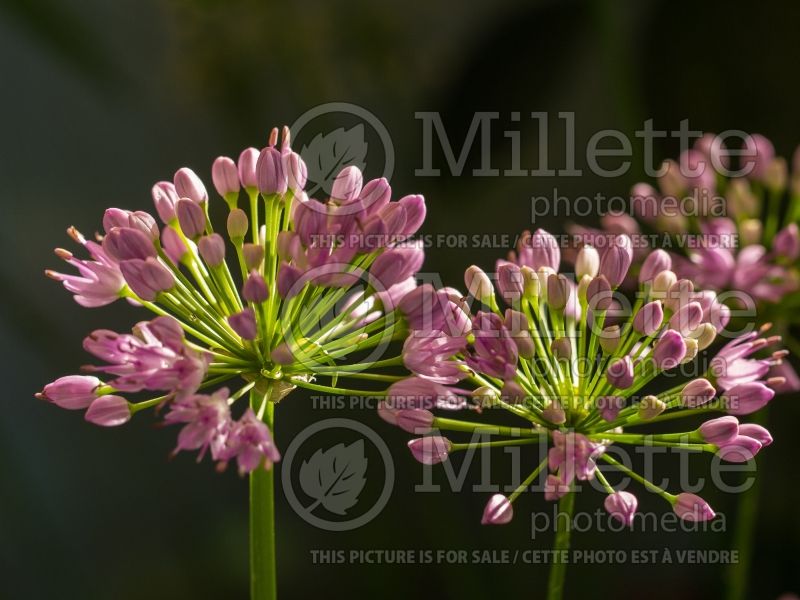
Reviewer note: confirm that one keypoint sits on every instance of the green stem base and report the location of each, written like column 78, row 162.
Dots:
column 566, row 508
column 263, row 579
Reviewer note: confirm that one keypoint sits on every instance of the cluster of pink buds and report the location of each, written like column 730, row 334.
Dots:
column 574, row 361
column 278, row 298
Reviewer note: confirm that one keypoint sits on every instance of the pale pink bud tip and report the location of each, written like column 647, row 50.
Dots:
column 622, row 506
column 719, row 431
column 109, row 411
column 690, row 507
column 414, row 420
column 225, row 176
column 430, row 450
column 498, row 511
column 189, row 185
column 72, row 392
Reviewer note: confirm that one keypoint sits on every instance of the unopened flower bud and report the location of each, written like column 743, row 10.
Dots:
column 531, row 283
column 622, row 506
column 620, row 372
column 704, row 334
column 697, row 393
column 414, row 420
column 237, row 225
column 750, row 232
column 609, row 338
column 554, row 414
column 255, row 288
column 212, row 249
column 598, row 294
column 719, row 431
column 253, row 256
column 430, row 450
column 650, row 407
column 648, row 319
column 662, row 283
column 192, row 218
column 498, row 511
column 616, row 260
column 72, row 392
column 787, row 242
column 189, row 185
column 225, row 177
column 690, row 507
column 478, row 283
column 656, row 262
column 271, row 176
column 108, row 411
column 247, row 168
column 147, row 278
column 347, row 185
column 558, row 291
column 587, row 262
column 561, row 348
column 692, row 349
column 244, row 323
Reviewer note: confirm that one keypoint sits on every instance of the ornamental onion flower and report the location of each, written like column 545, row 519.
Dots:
column 576, row 397
column 295, row 289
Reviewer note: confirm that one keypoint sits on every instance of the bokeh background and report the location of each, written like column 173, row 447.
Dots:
column 101, row 99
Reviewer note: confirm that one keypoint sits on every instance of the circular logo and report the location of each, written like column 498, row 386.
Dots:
column 328, row 144
column 344, row 478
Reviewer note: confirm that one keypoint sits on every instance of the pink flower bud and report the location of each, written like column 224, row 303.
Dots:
column 255, row 288
column 189, row 185
column 621, row 506
column 415, row 420
column 757, row 432
column 225, row 176
column 658, row 260
column 296, row 172
column 247, row 168
column 687, row 319
column 690, row 507
column 244, row 323
column 760, row 153
column 165, row 198
column 739, row 449
column 282, row 354
column 430, row 450
column 649, row 318
column 787, row 242
column 108, row 411
column 414, row 206
column 616, row 260
column 347, row 185
column 645, row 201
column 253, row 256
column 620, row 372
column 375, row 195
column 288, row 276
column 72, row 392
column 478, row 283
column 587, row 262
column 271, row 176
column 395, row 265
column 719, row 431
column 192, row 218
column 697, row 392
column 498, row 511
column 147, row 278
column 746, row 398
column 558, row 291
column 212, row 249
column 173, row 245
column 610, row 406
column 124, row 243
column 554, row 414
column 237, row 224
column 598, row 294
column 669, row 350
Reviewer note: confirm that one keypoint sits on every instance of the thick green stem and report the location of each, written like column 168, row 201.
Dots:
column 263, row 580
column 555, row 585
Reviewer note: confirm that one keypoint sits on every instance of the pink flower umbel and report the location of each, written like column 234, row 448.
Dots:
column 278, row 297
column 576, row 371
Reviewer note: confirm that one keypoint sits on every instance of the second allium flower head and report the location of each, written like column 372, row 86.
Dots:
column 576, row 370
column 318, row 280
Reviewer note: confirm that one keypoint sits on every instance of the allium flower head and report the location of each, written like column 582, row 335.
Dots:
column 277, row 298
column 582, row 384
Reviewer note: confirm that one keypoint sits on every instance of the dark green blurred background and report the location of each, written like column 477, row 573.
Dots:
column 101, row 99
